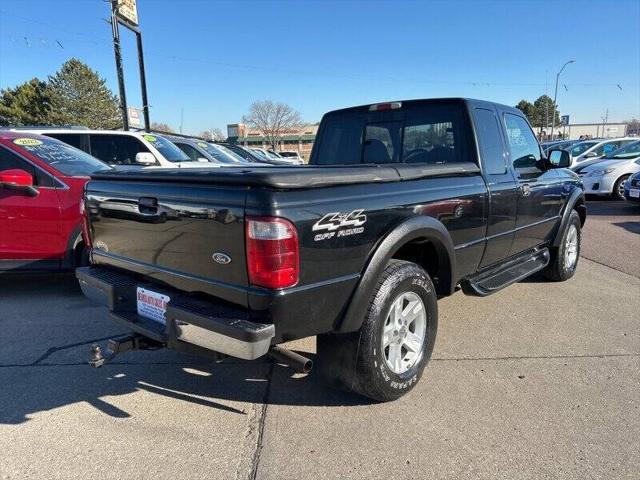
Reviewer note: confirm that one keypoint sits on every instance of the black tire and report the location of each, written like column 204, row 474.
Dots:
column 357, row 361
column 558, row 270
column 617, row 194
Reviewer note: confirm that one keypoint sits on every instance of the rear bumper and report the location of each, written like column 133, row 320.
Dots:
column 210, row 326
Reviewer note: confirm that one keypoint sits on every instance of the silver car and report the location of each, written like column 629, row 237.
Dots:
column 607, row 176
column 594, row 149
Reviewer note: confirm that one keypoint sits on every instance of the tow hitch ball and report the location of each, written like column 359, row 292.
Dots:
column 119, row 345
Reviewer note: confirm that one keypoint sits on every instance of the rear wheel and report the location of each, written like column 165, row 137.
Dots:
column 564, row 259
column 386, row 358
column 618, row 188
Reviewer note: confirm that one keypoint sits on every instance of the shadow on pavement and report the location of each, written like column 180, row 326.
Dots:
column 611, row 208
column 633, row 227
column 44, row 383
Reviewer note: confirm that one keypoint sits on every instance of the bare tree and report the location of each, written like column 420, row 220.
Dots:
column 273, row 120
column 161, row 127
column 213, row 135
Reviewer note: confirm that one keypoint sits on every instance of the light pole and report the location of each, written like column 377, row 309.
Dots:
column 555, row 95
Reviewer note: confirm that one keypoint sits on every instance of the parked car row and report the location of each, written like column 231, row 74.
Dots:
column 127, row 149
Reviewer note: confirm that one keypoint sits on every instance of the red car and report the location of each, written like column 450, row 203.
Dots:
column 41, row 184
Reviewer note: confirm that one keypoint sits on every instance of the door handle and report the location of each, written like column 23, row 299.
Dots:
column 526, row 189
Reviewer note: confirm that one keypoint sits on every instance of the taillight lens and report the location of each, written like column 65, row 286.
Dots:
column 84, row 215
column 272, row 252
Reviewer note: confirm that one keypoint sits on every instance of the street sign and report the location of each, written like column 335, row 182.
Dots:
column 128, row 11
column 564, row 120
column 134, row 117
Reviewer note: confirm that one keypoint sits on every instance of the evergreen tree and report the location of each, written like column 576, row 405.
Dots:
column 528, row 109
column 78, row 96
column 26, row 104
column 545, row 109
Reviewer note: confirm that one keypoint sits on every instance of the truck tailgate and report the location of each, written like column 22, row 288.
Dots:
column 189, row 237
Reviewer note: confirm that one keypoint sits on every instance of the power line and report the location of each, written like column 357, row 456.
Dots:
column 102, row 40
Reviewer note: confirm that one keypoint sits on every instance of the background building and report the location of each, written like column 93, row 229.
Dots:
column 299, row 140
column 574, row 131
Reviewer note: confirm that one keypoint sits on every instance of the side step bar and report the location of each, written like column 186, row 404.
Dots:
column 488, row 282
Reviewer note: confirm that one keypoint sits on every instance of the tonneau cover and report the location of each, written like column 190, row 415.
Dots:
column 293, row 177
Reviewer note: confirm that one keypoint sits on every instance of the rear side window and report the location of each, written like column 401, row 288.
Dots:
column 116, row 149
column 490, row 141
column 73, row 139
column 420, row 134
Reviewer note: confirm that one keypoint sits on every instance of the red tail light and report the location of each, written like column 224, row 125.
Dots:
column 86, row 237
column 272, row 252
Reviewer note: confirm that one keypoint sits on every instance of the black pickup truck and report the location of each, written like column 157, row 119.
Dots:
column 402, row 203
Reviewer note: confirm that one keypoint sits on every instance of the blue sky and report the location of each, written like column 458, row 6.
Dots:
column 213, row 59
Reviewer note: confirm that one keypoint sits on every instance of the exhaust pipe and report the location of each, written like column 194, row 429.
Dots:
column 294, row 360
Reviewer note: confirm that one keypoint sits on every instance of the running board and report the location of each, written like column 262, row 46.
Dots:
column 488, row 282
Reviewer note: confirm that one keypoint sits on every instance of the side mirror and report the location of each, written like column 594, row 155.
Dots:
column 591, row 155
column 18, row 180
column 145, row 158
column 559, row 159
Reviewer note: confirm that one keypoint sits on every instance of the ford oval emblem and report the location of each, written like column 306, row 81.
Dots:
column 221, row 258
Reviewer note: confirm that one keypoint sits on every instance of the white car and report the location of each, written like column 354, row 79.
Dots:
column 594, row 149
column 607, row 176
column 291, row 155
column 124, row 149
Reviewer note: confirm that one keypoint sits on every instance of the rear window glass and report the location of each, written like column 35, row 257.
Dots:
column 421, row 134
column 66, row 159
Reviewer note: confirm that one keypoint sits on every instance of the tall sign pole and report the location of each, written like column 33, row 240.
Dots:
column 116, row 50
column 125, row 13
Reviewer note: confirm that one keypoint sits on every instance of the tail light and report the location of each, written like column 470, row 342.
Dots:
column 272, row 252
column 85, row 224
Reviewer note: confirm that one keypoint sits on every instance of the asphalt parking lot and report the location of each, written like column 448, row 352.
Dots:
column 540, row 380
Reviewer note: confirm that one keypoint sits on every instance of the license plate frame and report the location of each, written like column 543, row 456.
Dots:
column 152, row 305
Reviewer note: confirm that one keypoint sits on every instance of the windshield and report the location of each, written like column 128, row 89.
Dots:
column 581, row 147
column 260, row 153
column 221, row 154
column 166, row 148
column 631, row 150
column 66, row 159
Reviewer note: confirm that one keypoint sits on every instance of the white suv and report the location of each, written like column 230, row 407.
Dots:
column 124, row 149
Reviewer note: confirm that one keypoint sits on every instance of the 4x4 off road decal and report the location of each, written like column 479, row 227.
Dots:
column 335, row 223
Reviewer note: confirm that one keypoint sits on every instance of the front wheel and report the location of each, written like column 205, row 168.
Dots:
column 386, row 358
column 564, row 259
column 618, row 188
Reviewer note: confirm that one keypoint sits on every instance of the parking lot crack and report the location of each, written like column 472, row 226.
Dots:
column 248, row 470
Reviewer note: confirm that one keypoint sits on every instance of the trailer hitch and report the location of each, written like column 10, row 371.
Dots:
column 118, row 345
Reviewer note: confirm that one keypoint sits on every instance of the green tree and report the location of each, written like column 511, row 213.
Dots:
column 26, row 104
column 79, row 96
column 544, row 109
column 528, row 109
